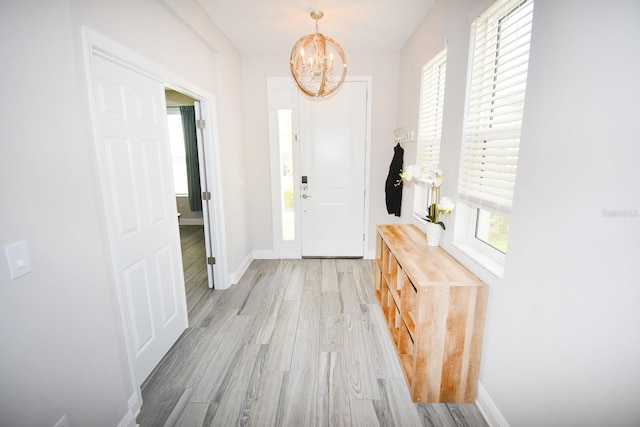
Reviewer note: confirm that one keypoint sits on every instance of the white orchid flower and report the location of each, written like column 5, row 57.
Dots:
column 446, row 205
column 410, row 173
column 438, row 177
column 426, row 173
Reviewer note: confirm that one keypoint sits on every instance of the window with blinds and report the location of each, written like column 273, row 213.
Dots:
column 432, row 85
column 431, row 109
column 495, row 100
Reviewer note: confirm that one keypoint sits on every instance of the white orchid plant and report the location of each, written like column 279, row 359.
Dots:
column 430, row 174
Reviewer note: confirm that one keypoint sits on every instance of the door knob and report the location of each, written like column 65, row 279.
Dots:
column 304, row 196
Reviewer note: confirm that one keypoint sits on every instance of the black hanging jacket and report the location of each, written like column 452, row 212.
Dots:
column 393, row 186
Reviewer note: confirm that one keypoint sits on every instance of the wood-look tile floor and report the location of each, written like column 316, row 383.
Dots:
column 294, row 343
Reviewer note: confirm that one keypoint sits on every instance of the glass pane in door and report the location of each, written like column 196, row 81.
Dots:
column 285, row 136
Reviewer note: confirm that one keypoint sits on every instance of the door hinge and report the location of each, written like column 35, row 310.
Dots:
column 211, row 260
column 206, row 195
column 201, row 124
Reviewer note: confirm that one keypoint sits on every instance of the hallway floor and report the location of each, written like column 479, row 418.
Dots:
column 294, row 343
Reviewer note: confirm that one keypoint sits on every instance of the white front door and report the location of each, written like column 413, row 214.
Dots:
column 332, row 172
column 133, row 151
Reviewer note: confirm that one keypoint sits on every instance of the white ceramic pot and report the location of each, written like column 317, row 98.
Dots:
column 433, row 232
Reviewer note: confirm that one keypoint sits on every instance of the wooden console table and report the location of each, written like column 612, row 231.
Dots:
column 435, row 309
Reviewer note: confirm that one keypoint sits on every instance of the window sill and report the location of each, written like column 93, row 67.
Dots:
column 493, row 264
column 419, row 218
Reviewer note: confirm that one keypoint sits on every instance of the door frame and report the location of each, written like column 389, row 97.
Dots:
column 293, row 249
column 95, row 43
column 202, row 177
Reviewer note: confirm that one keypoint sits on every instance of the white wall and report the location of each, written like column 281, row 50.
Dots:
column 385, row 72
column 382, row 67
column 561, row 340
column 60, row 330
column 62, row 348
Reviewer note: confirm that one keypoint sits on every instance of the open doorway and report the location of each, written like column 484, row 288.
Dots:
column 188, row 195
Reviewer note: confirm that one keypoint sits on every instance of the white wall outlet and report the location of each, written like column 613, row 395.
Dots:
column 62, row 422
column 18, row 259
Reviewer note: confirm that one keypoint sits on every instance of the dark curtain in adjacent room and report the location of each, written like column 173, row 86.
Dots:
column 191, row 150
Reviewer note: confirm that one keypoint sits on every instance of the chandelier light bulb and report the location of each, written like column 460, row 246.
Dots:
column 312, row 63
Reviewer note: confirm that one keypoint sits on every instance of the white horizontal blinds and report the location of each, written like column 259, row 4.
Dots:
column 431, row 109
column 498, row 78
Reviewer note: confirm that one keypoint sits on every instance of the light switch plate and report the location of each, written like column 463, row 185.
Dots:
column 18, row 259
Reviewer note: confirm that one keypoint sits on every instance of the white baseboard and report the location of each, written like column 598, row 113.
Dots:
column 237, row 275
column 129, row 419
column 488, row 408
column 269, row 254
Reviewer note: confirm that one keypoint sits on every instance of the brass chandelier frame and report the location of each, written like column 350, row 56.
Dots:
column 311, row 67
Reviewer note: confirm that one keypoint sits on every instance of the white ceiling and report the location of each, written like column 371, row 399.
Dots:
column 273, row 26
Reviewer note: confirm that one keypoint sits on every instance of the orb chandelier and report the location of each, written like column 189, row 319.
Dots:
column 318, row 64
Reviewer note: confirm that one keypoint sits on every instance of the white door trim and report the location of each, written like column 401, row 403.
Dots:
column 367, row 160
column 95, row 43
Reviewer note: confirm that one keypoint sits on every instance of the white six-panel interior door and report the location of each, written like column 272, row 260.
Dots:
column 134, row 160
